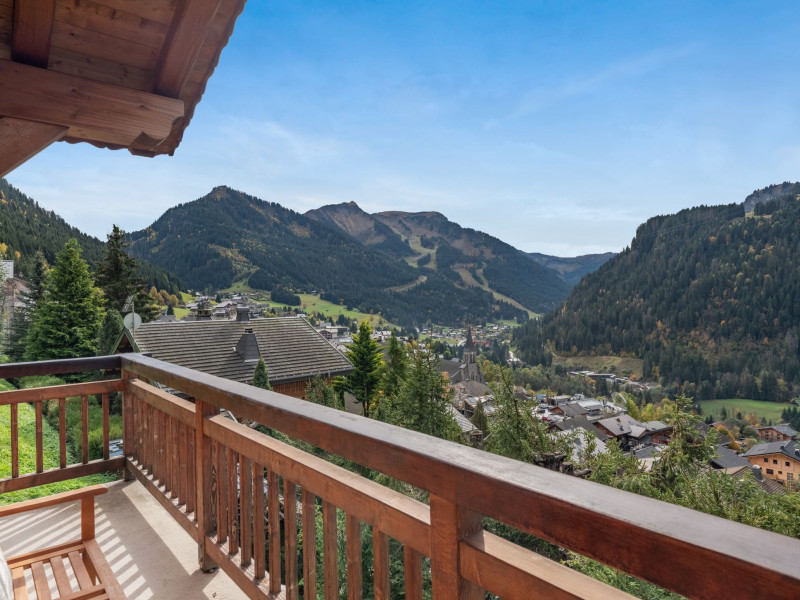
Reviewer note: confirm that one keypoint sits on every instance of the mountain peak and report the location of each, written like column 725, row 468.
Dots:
column 771, row 192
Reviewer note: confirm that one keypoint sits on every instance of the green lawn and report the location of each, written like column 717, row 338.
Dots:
column 310, row 303
column 768, row 410
column 27, row 455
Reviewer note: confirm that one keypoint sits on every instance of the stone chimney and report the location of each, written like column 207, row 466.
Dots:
column 242, row 314
column 247, row 346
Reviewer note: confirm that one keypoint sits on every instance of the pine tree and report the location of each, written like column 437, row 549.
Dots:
column 116, row 276
column 365, row 355
column 66, row 322
column 20, row 319
column 423, row 400
column 394, row 372
column 479, row 418
column 515, row 432
column 261, row 376
column 109, row 333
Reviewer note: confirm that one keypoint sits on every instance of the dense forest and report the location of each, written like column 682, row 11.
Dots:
column 26, row 227
column 229, row 236
column 708, row 297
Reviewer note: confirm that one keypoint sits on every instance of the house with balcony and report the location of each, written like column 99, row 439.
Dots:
column 198, row 511
column 778, row 460
column 777, row 433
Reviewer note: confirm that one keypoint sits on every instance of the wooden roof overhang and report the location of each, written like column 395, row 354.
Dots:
column 113, row 73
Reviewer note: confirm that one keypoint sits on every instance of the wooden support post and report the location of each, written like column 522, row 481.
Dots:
column 106, row 450
column 205, row 476
column 380, row 552
column 129, row 436
column 355, row 586
column 39, row 445
column 85, row 429
column 451, row 523
column 330, row 558
column 14, row 441
column 412, row 571
column 290, row 538
column 309, row 545
column 62, row 432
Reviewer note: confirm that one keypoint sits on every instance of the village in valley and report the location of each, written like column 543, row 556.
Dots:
column 226, row 334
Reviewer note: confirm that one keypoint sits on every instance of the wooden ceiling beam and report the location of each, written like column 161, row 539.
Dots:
column 191, row 24
column 20, row 140
column 33, row 28
column 95, row 112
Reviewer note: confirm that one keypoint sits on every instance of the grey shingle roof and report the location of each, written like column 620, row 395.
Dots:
column 572, row 409
column 619, row 425
column 291, row 348
column 463, row 422
column 581, row 423
column 784, row 429
column 728, row 458
column 790, row 449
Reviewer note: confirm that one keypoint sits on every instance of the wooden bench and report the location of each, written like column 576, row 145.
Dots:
column 88, row 565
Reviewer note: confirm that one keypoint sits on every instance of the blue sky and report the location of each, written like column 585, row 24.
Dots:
column 556, row 126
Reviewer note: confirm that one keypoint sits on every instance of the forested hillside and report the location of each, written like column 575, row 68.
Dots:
column 434, row 243
column 26, row 227
column 228, row 236
column 708, row 297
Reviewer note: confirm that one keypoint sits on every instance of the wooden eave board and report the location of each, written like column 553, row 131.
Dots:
column 124, row 43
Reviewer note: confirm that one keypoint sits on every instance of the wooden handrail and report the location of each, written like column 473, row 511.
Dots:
column 570, row 512
column 60, row 367
column 60, row 391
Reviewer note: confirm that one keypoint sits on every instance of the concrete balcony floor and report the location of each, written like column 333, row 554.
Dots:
column 149, row 553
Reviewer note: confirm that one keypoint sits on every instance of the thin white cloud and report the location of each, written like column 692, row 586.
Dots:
column 544, row 97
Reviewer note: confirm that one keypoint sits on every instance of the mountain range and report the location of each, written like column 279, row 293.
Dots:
column 708, row 297
column 412, row 268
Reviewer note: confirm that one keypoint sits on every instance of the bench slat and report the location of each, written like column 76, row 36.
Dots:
column 18, row 582
column 60, row 575
column 81, row 574
column 40, row 581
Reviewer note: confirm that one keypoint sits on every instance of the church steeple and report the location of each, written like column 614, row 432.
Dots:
column 469, row 347
column 470, row 343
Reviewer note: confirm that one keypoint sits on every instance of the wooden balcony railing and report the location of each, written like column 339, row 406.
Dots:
column 246, row 499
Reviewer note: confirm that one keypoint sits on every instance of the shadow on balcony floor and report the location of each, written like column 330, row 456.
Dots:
column 150, row 554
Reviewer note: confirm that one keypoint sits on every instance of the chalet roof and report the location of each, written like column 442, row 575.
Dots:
column 572, row 409
column 112, row 73
column 789, row 449
column 581, row 423
column 473, row 388
column 291, row 348
column 654, row 426
column 784, row 429
column 619, row 425
column 463, row 422
column 728, row 459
